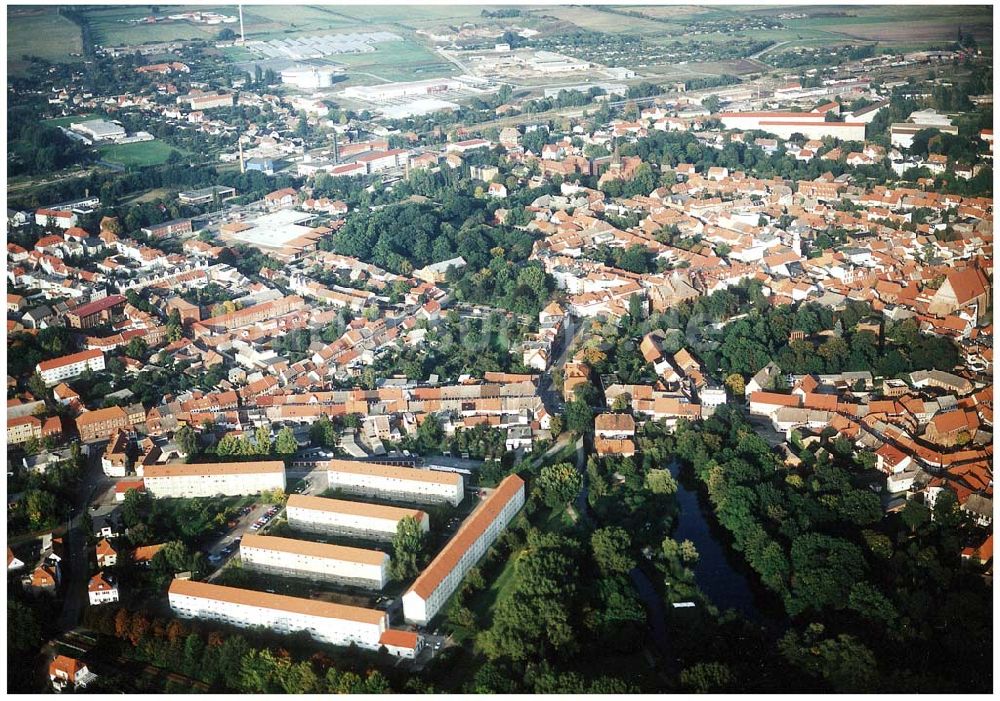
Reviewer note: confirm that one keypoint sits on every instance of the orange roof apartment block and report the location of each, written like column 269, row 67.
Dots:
column 335, row 624
column 442, row 576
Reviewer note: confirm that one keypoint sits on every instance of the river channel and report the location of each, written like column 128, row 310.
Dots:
column 724, row 578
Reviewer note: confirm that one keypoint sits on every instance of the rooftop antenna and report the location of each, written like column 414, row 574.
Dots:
column 243, row 37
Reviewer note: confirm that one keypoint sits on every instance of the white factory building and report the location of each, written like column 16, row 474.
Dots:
column 99, row 130
column 396, row 483
column 210, row 479
column 335, row 624
column 439, row 581
column 349, row 518
column 315, row 561
column 392, row 91
column 308, row 77
column 69, row 366
column 812, row 125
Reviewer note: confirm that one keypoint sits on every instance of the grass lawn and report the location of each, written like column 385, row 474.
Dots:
column 66, row 121
column 157, row 193
column 144, row 153
column 42, row 32
column 558, row 521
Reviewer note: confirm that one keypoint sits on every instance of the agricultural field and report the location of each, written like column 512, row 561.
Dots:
column 889, row 23
column 144, row 153
column 853, row 24
column 41, row 32
column 414, row 17
column 596, row 20
column 398, row 60
column 114, row 26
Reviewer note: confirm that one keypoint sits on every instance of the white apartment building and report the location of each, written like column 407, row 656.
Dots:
column 397, row 483
column 303, row 558
column 69, row 366
column 335, row 624
column 350, row 518
column 439, row 581
column 210, row 479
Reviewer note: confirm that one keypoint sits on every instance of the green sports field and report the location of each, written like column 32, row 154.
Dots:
column 144, row 153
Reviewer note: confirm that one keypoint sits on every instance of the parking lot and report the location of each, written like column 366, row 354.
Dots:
column 251, row 520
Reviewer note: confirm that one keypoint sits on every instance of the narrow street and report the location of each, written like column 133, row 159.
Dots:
column 75, row 565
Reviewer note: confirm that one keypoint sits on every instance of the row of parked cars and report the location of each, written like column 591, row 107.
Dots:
column 265, row 519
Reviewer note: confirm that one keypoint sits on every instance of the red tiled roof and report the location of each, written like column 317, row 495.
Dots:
column 399, row 638
column 470, row 531
column 80, row 357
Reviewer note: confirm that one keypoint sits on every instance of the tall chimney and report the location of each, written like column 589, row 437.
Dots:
column 243, row 36
column 242, row 165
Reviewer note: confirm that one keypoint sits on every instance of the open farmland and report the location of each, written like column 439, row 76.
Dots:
column 273, row 21
column 897, row 23
column 41, row 32
column 596, row 20
column 410, row 16
column 116, row 26
column 400, row 60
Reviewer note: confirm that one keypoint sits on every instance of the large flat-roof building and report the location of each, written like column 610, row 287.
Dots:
column 309, row 77
column 210, row 479
column 349, row 518
column 335, row 624
column 205, row 195
column 442, row 576
column 389, row 91
column 396, row 483
column 99, row 130
column 303, row 558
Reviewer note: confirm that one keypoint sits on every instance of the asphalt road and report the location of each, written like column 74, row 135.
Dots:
column 75, row 566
